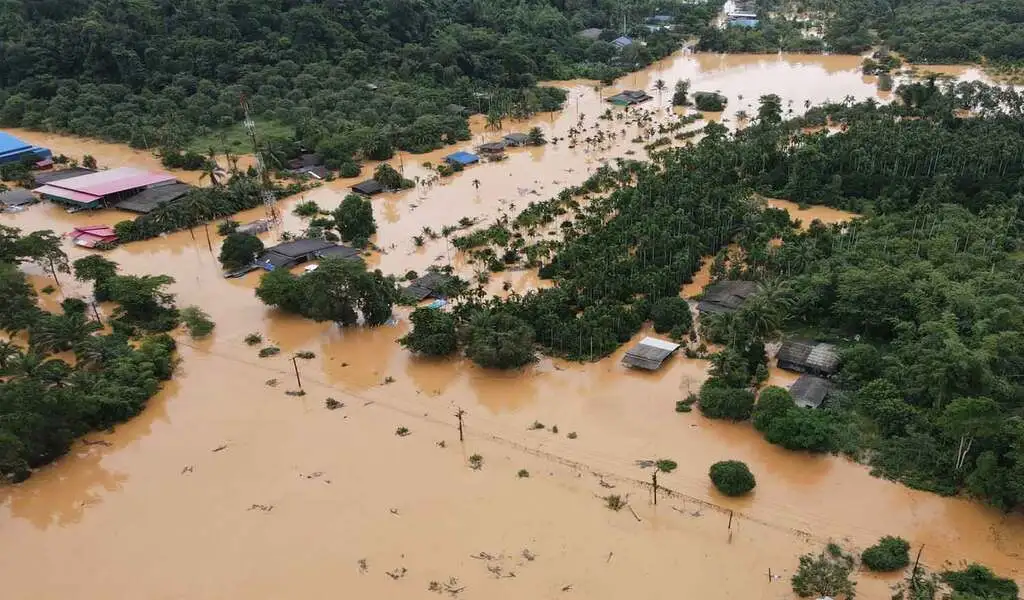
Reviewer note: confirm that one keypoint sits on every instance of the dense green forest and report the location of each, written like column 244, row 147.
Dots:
column 923, row 295
column 922, row 31
column 45, row 400
column 352, row 78
column 929, row 31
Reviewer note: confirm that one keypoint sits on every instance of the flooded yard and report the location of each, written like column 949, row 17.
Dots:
column 225, row 487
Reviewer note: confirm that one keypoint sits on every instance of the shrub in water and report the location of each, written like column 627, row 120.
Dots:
column 732, row 477
column 889, row 554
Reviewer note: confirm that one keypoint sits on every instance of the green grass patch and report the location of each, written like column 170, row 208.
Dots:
column 235, row 138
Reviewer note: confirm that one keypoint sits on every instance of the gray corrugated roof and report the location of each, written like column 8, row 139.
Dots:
column 805, row 356
column 726, row 296
column 343, row 252
column 17, row 198
column 44, row 177
column 368, row 187
column 648, row 355
column 299, row 248
column 430, row 285
column 148, row 200
column 809, row 391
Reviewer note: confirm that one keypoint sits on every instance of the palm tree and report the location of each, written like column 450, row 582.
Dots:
column 660, row 86
column 493, row 120
column 536, row 136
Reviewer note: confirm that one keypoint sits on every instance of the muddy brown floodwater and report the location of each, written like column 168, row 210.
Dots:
column 302, row 502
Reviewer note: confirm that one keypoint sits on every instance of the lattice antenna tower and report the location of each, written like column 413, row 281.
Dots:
column 269, row 199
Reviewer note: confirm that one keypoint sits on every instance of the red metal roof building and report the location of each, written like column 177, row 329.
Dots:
column 103, row 187
column 93, row 235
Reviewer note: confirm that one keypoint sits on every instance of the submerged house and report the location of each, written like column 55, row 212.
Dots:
column 102, row 188
column 93, row 236
column 305, row 160
column 649, row 354
column 368, row 187
column 726, row 296
column 13, row 150
column 430, row 285
column 58, row 174
column 629, row 97
column 814, row 358
column 809, row 391
column 517, row 139
column 150, row 199
column 17, row 198
column 462, row 158
column 296, row 252
column 491, row 148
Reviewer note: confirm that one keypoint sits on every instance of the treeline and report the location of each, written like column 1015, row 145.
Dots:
column 367, row 75
column 929, row 31
column 45, row 402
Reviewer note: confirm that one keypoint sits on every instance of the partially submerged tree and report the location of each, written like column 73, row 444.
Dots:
column 889, row 554
column 500, row 341
column 825, row 575
column 354, row 220
column 239, row 250
column 732, row 477
column 433, row 333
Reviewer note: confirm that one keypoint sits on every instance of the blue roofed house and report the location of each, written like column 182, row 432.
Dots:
column 622, row 42
column 462, row 158
column 12, row 149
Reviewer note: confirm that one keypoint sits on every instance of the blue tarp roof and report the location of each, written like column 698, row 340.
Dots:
column 744, row 22
column 463, row 158
column 9, row 143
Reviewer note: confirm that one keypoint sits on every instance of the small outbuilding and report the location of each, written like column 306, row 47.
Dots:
column 517, row 139
column 592, row 33
column 368, row 187
column 649, row 354
column 814, row 358
column 305, row 160
column 150, row 199
column 430, row 285
column 296, row 252
column 462, row 158
column 726, row 296
column 622, row 42
column 93, row 236
column 491, row 148
column 629, row 97
column 17, row 198
column 809, row 391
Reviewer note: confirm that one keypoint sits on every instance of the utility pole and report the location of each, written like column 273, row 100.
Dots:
column 295, row 364
column 269, row 200
column 458, row 415
column 654, row 484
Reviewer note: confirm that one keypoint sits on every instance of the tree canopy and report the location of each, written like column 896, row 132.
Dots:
column 338, row 290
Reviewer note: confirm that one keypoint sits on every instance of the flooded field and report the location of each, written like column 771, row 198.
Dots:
column 309, row 503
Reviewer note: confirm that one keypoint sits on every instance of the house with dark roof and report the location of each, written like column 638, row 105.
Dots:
column 150, row 199
column 305, row 160
column 368, row 187
column 649, row 354
column 491, row 148
column 809, row 391
column 462, row 158
column 430, row 285
column 726, row 296
column 814, row 358
column 296, row 252
column 17, row 198
column 517, row 139
column 629, row 97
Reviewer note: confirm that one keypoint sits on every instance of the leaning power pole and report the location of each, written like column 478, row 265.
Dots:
column 269, row 199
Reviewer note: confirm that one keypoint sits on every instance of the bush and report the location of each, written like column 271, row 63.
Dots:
column 889, row 554
column 239, row 250
column 253, row 339
column 500, row 342
column 269, row 351
column 772, row 403
column 197, row 322
column 732, row 477
column 227, row 227
column 720, row 402
column 978, row 582
column 709, row 101
column 308, row 208
column 523, row 474
column 825, row 575
column 349, row 169
column 671, row 313
column 433, row 333
column 804, row 429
